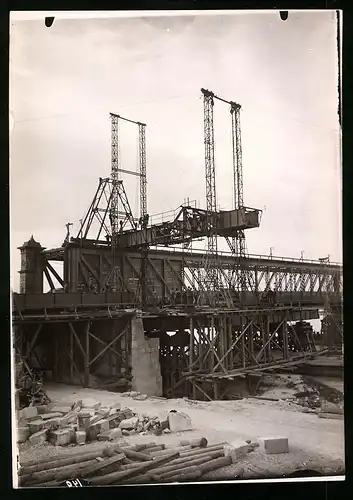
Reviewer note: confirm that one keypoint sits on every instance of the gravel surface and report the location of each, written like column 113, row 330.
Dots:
column 314, row 443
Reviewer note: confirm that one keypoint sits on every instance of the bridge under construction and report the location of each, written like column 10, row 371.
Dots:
column 138, row 306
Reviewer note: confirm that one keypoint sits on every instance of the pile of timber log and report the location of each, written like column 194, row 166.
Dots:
column 113, row 465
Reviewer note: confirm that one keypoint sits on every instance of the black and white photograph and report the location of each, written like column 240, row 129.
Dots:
column 176, row 247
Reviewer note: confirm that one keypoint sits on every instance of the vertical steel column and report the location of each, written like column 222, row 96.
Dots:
column 114, row 203
column 143, row 173
column 263, row 337
column 285, row 340
column 251, row 339
column 212, row 334
column 242, row 342
column 211, row 202
column 239, row 241
column 87, row 354
column 191, row 344
column 230, row 336
column 268, row 334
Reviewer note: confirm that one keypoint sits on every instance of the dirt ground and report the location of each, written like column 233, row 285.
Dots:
column 316, row 444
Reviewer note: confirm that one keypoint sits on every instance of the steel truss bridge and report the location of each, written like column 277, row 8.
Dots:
column 232, row 313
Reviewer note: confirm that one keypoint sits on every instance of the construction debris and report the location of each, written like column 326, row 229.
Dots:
column 72, row 425
column 274, row 445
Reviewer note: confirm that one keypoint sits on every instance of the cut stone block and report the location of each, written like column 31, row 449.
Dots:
column 114, row 421
column 83, row 421
column 97, row 428
column 48, row 416
column 140, row 397
column 53, row 423
column 103, row 436
column 115, row 434
column 103, row 424
column 22, row 433
column 179, row 421
column 90, row 411
column 103, row 411
column 36, row 425
column 80, row 437
column 90, row 403
column 110, row 435
column 164, row 421
column 95, row 419
column 39, row 437
column 72, row 432
column 126, row 414
column 129, row 423
column 60, row 437
column 28, row 412
column 42, row 409
column 236, row 450
column 274, row 445
column 61, row 409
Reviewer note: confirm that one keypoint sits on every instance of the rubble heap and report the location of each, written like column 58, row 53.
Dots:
column 87, row 421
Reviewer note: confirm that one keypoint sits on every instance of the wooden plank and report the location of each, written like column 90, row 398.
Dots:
column 77, row 339
column 201, row 390
column 103, row 343
column 30, row 348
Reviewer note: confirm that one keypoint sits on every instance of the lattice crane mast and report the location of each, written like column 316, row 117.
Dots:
column 239, row 242
column 239, row 278
column 119, row 218
column 211, row 268
column 114, row 275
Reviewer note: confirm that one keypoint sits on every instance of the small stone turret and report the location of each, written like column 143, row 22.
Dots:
column 31, row 273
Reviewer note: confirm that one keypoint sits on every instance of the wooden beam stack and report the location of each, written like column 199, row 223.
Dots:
column 188, row 460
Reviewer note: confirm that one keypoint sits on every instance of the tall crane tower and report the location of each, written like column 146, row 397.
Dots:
column 239, row 278
column 113, row 279
column 212, row 277
column 238, row 244
column 118, row 195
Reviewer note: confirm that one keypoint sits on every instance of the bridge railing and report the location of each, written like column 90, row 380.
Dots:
column 171, row 249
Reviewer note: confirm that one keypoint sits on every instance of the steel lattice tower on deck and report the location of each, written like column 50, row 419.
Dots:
column 239, row 243
column 113, row 278
column 211, row 201
column 143, row 176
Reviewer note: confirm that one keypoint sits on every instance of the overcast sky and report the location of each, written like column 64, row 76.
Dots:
column 65, row 80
